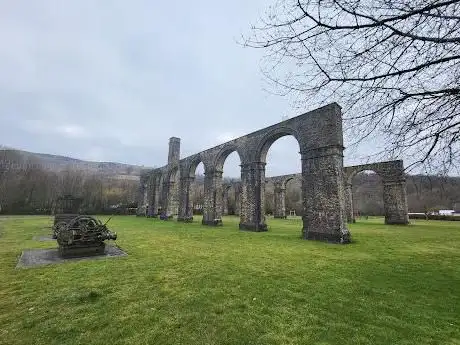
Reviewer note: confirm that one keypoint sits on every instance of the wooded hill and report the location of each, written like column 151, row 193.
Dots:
column 14, row 159
column 29, row 184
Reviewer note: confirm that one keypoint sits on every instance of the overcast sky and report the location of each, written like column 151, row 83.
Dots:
column 113, row 80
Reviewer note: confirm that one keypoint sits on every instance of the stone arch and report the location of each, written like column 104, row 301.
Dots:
column 349, row 178
column 236, row 186
column 264, row 145
column 187, row 176
column 225, row 189
column 170, row 191
column 376, row 200
column 279, row 184
column 394, row 190
column 288, row 179
column 268, row 139
column 320, row 138
column 193, row 164
column 154, row 198
column 280, row 196
column 389, row 170
column 214, row 206
column 224, row 152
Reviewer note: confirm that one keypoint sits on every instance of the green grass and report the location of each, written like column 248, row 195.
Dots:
column 189, row 284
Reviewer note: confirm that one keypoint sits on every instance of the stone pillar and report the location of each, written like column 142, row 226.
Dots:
column 324, row 213
column 252, row 215
column 142, row 200
column 146, row 200
column 168, row 188
column 185, row 206
column 164, row 197
column 159, row 198
column 172, row 204
column 155, row 198
column 212, row 208
column 349, row 203
column 395, row 202
column 174, row 150
column 173, row 189
column 280, row 201
column 150, row 192
column 225, row 201
column 237, row 201
column 173, row 201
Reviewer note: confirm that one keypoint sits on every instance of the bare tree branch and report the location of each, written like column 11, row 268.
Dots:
column 393, row 66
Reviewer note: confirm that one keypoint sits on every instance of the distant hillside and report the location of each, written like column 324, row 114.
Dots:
column 14, row 159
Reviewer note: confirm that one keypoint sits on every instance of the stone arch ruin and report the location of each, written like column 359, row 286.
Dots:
column 394, row 190
column 320, row 138
column 279, row 183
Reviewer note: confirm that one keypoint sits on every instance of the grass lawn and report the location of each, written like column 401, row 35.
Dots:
column 190, row 284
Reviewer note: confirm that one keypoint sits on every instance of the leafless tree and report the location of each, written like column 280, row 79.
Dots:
column 393, row 66
column 27, row 187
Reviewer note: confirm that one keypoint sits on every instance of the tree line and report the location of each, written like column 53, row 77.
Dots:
column 29, row 189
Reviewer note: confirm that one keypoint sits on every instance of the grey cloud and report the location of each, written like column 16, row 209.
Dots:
column 114, row 80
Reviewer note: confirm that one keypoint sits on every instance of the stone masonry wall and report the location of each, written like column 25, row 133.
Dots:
column 320, row 138
column 394, row 190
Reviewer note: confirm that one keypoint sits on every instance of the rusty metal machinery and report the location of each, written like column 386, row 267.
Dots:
column 66, row 209
column 82, row 236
